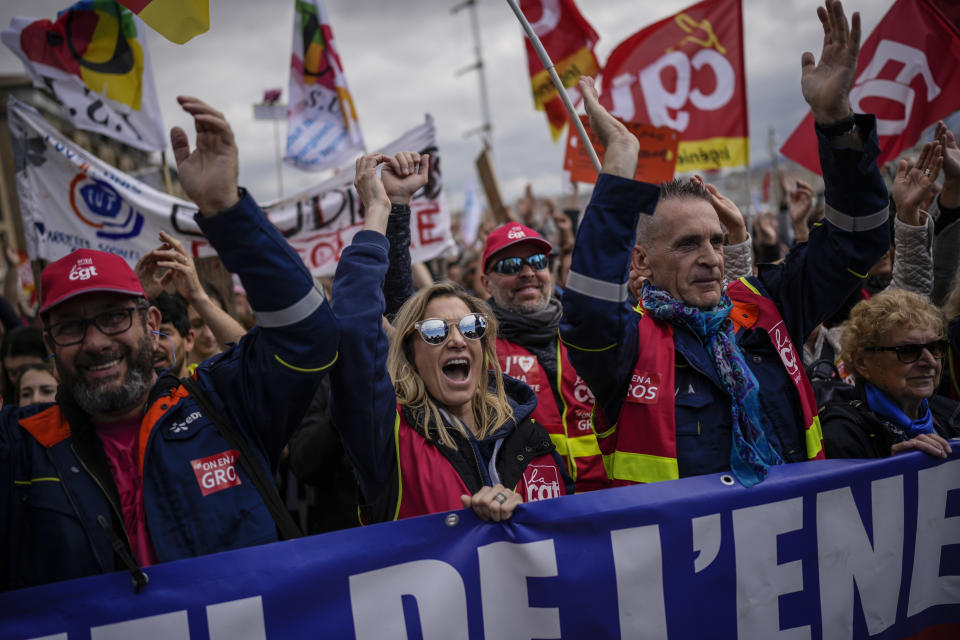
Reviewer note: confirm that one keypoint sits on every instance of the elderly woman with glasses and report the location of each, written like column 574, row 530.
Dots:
column 427, row 418
column 895, row 344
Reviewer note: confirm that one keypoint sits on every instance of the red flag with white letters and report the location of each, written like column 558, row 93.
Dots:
column 569, row 40
column 686, row 72
column 908, row 75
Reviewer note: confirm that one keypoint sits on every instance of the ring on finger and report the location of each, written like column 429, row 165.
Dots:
column 926, row 172
column 500, row 497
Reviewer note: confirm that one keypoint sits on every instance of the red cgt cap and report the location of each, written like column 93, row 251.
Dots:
column 86, row 271
column 508, row 235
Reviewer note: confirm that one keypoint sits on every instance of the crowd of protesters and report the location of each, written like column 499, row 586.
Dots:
column 150, row 416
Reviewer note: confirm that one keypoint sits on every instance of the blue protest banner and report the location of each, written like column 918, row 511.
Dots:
column 829, row 549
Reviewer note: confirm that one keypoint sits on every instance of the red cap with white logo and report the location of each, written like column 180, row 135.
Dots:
column 508, row 235
column 86, row 271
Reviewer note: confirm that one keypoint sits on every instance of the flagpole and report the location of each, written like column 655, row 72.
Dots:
column 548, row 65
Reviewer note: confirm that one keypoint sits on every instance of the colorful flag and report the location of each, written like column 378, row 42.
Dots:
column 94, row 60
column 322, row 127
column 908, row 75
column 176, row 20
column 686, row 72
column 569, row 40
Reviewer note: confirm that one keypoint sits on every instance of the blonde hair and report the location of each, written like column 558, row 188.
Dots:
column 871, row 320
column 490, row 407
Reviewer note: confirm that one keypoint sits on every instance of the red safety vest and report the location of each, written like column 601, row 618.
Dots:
column 430, row 484
column 649, row 454
column 570, row 429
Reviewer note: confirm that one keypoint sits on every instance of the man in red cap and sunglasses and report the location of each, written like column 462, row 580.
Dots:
column 516, row 274
column 131, row 466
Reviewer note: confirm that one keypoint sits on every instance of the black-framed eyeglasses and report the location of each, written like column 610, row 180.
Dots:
column 435, row 331
column 513, row 266
column 109, row 323
column 910, row 353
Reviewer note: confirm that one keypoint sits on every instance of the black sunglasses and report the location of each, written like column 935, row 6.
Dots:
column 513, row 266
column 435, row 331
column 109, row 323
column 910, row 353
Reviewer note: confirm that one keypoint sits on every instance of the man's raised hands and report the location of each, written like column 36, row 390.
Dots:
column 620, row 146
column 826, row 84
column 208, row 174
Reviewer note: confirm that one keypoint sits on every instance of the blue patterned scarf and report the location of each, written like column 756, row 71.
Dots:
column 905, row 427
column 751, row 454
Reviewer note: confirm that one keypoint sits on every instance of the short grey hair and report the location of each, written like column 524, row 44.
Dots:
column 676, row 189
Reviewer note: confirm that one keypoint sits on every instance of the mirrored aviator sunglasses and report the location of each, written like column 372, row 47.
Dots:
column 513, row 266
column 435, row 331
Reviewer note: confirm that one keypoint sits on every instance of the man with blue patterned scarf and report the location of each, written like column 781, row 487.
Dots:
column 704, row 375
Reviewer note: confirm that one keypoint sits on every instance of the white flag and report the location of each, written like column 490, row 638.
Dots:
column 94, row 59
column 472, row 213
column 322, row 127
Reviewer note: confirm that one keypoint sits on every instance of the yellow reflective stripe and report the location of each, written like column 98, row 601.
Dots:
column 747, row 284
column 300, row 370
column 396, row 445
column 640, row 467
column 859, row 275
column 605, row 434
column 32, row 480
column 571, row 467
column 560, row 442
column 583, row 446
column 573, row 346
column 639, row 308
column 814, row 437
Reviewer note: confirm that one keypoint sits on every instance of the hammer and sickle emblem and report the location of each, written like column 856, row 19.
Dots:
column 690, row 26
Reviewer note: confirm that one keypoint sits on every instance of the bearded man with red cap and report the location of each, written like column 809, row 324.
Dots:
column 516, row 274
column 130, row 467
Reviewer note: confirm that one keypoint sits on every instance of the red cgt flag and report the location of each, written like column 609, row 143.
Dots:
column 569, row 39
column 686, row 72
column 908, row 75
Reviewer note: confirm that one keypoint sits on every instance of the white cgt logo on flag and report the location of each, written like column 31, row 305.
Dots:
column 870, row 85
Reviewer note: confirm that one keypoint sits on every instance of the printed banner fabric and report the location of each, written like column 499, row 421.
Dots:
column 686, row 72
column 656, row 159
column 322, row 127
column 176, row 20
column 94, row 60
column 908, row 75
column 569, row 39
column 825, row 549
column 71, row 199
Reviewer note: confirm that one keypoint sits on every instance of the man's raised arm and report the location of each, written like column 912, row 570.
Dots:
column 598, row 324
column 269, row 379
column 817, row 278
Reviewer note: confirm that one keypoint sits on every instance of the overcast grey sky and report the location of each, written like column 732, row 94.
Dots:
column 400, row 58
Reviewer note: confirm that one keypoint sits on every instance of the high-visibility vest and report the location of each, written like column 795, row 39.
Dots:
column 641, row 446
column 570, row 429
column 429, row 483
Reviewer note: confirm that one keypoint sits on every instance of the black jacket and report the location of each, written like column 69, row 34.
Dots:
column 852, row 430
